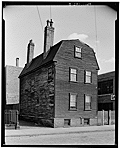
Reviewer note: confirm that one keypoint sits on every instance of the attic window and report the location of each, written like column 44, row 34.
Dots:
column 78, row 52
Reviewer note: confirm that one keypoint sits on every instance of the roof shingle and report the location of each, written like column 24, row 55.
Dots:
column 39, row 61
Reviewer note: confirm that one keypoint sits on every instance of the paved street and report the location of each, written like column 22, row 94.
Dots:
column 92, row 135
column 88, row 138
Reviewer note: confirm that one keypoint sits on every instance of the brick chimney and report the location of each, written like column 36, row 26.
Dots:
column 30, row 51
column 17, row 62
column 48, row 37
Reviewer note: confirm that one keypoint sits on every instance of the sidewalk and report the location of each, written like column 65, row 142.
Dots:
column 37, row 131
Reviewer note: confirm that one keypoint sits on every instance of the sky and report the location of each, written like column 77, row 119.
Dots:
column 93, row 25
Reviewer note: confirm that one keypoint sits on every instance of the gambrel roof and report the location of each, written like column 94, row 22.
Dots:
column 39, row 61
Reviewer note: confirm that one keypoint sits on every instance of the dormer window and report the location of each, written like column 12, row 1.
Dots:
column 78, row 52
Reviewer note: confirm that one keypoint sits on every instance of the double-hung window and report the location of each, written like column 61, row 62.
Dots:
column 73, row 101
column 88, row 99
column 88, row 77
column 73, row 74
column 78, row 52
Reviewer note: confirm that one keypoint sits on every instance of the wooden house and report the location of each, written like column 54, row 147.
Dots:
column 59, row 87
column 12, row 86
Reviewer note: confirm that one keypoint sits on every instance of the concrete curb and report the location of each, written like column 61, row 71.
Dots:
column 58, row 133
column 54, row 131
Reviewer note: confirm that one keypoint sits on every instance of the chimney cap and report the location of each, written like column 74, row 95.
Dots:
column 51, row 22
column 17, row 62
column 48, row 22
column 31, row 42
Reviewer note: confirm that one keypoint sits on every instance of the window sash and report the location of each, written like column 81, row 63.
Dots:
column 73, row 77
column 88, row 79
column 77, row 54
column 74, row 71
column 88, row 73
column 87, row 99
column 78, row 49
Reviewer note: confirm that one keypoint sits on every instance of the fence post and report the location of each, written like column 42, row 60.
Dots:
column 16, row 119
column 103, row 117
column 109, row 117
column 9, row 117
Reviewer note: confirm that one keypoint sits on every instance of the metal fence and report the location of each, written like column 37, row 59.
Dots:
column 11, row 118
column 106, row 117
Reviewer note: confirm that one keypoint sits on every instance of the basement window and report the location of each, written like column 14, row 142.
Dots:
column 86, row 121
column 67, row 122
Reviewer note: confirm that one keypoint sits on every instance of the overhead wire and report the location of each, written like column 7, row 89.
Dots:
column 39, row 17
column 96, row 37
column 50, row 13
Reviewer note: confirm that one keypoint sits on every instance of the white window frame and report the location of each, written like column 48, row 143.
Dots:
column 78, row 52
column 73, row 74
column 88, row 77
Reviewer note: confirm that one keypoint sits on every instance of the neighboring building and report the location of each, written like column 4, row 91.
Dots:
column 12, row 86
column 59, row 87
column 106, row 91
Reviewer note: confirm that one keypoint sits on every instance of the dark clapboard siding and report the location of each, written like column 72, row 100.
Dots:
column 37, row 95
column 65, row 59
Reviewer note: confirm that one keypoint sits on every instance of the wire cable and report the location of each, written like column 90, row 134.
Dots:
column 95, row 28
column 50, row 13
column 39, row 18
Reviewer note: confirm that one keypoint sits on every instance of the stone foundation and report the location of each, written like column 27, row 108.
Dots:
column 74, row 122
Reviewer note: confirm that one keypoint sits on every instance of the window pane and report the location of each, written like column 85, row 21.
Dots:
column 88, row 79
column 78, row 49
column 73, row 97
column 72, row 104
column 88, row 73
column 87, row 107
column 73, row 71
column 73, row 77
column 78, row 55
column 87, row 99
